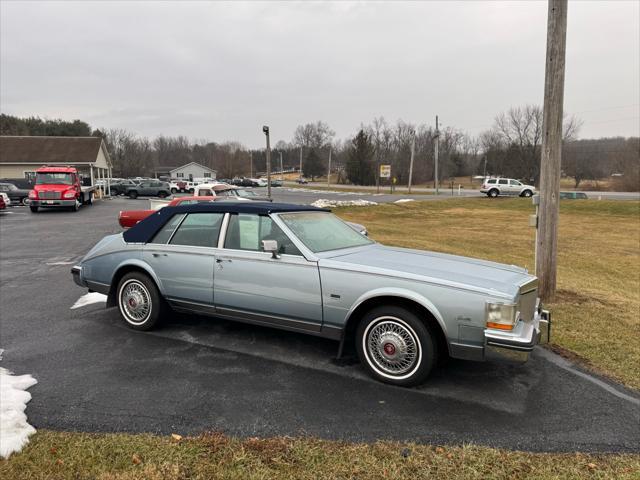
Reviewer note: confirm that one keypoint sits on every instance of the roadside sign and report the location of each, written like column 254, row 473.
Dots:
column 385, row 171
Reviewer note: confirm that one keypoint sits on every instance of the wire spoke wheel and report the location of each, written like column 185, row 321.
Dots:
column 392, row 347
column 135, row 302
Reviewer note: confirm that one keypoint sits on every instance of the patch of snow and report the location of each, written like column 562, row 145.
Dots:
column 14, row 428
column 88, row 299
column 404, row 200
column 325, row 203
column 59, row 263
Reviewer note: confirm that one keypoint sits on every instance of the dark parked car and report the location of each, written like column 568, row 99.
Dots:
column 15, row 194
column 276, row 183
column 573, row 195
column 149, row 188
column 120, row 187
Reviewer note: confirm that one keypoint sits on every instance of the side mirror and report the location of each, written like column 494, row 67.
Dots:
column 271, row 246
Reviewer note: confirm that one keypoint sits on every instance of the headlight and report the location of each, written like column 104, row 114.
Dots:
column 501, row 315
column 70, row 194
column 33, row 194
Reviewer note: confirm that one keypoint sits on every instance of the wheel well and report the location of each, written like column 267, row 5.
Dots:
column 121, row 272
column 421, row 312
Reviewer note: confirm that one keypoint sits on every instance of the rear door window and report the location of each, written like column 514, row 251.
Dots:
column 199, row 230
column 503, row 182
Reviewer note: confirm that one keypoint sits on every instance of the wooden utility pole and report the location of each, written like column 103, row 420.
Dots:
column 413, row 150
column 437, row 149
column 300, row 161
column 547, row 232
column 329, row 170
column 251, row 164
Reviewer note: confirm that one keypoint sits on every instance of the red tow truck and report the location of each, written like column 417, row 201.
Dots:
column 59, row 187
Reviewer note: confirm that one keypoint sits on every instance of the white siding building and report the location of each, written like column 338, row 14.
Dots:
column 192, row 171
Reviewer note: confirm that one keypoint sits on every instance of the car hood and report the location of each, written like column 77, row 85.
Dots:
column 452, row 270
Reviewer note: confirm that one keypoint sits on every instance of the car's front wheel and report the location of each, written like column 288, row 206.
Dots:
column 133, row 195
column 162, row 194
column 174, row 191
column 25, row 201
column 139, row 301
column 527, row 193
column 395, row 346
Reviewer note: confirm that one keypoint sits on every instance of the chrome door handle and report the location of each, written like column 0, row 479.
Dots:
column 159, row 255
column 220, row 260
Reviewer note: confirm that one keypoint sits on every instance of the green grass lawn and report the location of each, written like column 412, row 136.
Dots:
column 596, row 318
column 596, row 313
column 53, row 455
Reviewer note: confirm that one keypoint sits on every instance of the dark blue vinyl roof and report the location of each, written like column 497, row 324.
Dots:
column 147, row 228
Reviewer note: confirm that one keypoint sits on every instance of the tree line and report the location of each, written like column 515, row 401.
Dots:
column 511, row 147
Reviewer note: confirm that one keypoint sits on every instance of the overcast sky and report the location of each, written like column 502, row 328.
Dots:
column 219, row 71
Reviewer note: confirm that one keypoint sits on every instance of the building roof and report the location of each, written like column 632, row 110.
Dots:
column 49, row 150
column 191, row 163
column 145, row 230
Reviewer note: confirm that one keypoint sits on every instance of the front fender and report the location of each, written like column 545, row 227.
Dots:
column 401, row 293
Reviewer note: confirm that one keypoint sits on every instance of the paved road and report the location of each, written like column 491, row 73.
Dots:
column 465, row 192
column 199, row 374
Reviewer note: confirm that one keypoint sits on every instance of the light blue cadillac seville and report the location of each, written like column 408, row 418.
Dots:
column 301, row 268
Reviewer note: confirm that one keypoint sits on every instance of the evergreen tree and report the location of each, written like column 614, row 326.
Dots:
column 360, row 167
column 313, row 165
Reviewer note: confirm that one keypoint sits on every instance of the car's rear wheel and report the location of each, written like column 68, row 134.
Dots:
column 527, row 193
column 493, row 193
column 191, row 190
column 395, row 346
column 139, row 301
column 133, row 195
column 25, row 201
column 162, row 194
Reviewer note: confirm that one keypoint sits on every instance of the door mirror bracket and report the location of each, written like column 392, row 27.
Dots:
column 271, row 246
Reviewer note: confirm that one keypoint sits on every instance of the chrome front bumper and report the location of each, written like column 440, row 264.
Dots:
column 518, row 343
column 76, row 272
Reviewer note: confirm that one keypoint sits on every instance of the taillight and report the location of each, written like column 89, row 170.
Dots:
column 33, row 194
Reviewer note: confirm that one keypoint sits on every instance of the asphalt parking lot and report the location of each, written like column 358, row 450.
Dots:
column 200, row 374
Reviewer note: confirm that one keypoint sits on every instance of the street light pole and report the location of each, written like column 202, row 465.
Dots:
column 265, row 129
column 329, row 170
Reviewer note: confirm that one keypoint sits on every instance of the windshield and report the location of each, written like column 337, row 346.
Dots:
column 244, row 193
column 323, row 231
column 52, row 178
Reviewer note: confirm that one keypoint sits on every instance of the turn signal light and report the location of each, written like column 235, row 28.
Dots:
column 499, row 326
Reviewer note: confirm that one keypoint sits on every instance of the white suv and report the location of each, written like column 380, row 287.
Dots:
column 506, row 186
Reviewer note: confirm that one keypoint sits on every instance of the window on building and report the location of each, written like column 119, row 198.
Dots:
column 207, row 174
column 179, row 175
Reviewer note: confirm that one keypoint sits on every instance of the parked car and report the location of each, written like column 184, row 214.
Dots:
column 4, row 201
column 182, row 186
column 120, row 187
column 228, row 192
column 149, row 188
column 128, row 218
column 303, row 269
column 276, row 183
column 16, row 195
column 302, row 181
column 494, row 187
column 573, row 195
